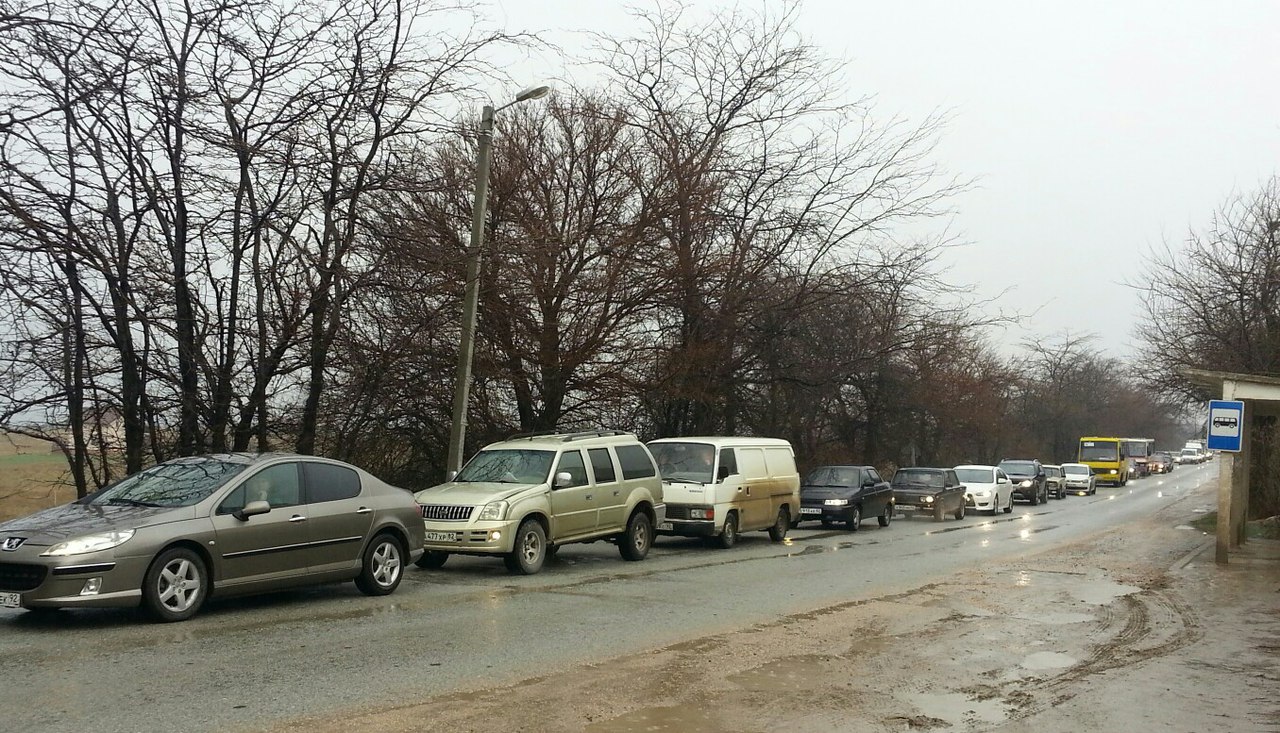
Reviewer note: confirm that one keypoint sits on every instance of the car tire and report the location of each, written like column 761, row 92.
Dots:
column 529, row 551
column 382, row 566
column 1034, row 499
column 175, row 585
column 778, row 532
column 635, row 541
column 432, row 560
column 938, row 513
column 886, row 516
column 728, row 536
column 1008, row 508
column 959, row 513
column 854, row 522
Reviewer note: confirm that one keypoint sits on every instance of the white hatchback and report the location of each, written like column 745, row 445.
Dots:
column 987, row 488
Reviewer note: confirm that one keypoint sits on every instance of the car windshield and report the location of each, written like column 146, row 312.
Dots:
column 928, row 479
column 832, row 476
column 684, row 461
column 1093, row 451
column 508, row 466
column 1076, row 470
column 183, row 482
column 1019, row 467
column 1053, row 471
column 976, row 475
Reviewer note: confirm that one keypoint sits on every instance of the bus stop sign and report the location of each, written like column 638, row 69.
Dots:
column 1226, row 424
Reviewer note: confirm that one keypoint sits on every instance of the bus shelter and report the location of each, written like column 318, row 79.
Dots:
column 1261, row 397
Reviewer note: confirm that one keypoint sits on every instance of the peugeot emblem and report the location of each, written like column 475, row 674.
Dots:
column 12, row 543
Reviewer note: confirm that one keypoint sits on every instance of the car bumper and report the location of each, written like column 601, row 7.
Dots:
column 97, row 579
column 1026, row 493
column 471, row 538
column 980, row 503
column 688, row 527
column 828, row 513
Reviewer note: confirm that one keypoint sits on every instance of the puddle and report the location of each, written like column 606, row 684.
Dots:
column 958, row 709
column 792, row 674
column 1047, row 660
column 1102, row 592
column 676, row 719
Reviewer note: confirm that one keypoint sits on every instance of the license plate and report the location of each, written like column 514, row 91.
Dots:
column 810, row 510
column 442, row 536
column 664, row 526
column 10, row 600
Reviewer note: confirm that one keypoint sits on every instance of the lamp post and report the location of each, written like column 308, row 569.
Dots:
column 471, row 297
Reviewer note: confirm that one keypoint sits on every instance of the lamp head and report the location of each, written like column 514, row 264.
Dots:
column 533, row 93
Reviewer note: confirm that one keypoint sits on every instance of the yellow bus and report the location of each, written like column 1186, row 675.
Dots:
column 1106, row 456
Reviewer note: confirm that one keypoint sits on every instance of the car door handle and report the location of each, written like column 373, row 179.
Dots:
column 297, row 518
column 588, row 496
column 616, row 493
column 363, row 510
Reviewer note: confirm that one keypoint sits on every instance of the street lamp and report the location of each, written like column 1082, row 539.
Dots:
column 471, row 297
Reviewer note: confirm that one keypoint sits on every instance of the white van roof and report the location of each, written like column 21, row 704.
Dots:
column 727, row 441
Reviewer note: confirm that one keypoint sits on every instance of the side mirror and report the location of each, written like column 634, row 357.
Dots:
column 252, row 509
column 563, row 479
column 868, row 484
column 722, row 473
column 1002, row 480
column 450, row 475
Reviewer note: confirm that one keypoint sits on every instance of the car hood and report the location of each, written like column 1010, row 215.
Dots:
column 827, row 492
column 1016, row 477
column 472, row 493
column 76, row 520
column 917, row 490
column 980, row 486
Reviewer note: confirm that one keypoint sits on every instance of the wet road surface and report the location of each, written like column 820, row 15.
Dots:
column 249, row 663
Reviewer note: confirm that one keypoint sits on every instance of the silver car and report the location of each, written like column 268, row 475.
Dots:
column 171, row 536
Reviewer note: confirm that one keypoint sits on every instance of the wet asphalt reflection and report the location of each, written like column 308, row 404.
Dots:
column 245, row 663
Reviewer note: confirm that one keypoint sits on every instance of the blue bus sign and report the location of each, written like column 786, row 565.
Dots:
column 1226, row 425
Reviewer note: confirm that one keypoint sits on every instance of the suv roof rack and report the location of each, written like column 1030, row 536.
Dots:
column 566, row 437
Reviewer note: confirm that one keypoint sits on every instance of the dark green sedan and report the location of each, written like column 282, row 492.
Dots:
column 171, row 536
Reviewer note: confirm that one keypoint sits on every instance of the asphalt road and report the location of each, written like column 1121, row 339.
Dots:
column 250, row 663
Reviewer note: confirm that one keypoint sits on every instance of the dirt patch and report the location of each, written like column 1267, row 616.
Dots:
column 1081, row 639
column 30, row 482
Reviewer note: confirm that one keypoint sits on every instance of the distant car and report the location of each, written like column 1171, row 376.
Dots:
column 847, row 495
column 1161, row 462
column 1028, row 479
column 1079, row 478
column 933, row 490
column 1053, row 481
column 1190, row 456
column 171, row 536
column 987, row 488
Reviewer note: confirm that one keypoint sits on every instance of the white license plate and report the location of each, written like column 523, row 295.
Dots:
column 10, row 600
column 664, row 526
column 810, row 510
column 442, row 536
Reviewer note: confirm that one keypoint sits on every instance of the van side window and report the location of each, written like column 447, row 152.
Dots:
column 571, row 463
column 728, row 462
column 635, row 462
column 602, row 465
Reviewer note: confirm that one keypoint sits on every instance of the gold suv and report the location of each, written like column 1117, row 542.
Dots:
column 524, row 498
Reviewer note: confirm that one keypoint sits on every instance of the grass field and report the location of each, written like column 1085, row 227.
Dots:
column 31, row 478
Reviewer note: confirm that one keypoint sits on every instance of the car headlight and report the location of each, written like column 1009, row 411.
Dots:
column 89, row 543
column 928, row 500
column 496, row 511
column 836, row 502
column 1025, row 484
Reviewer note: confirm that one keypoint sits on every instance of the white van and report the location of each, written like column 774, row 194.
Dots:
column 717, row 487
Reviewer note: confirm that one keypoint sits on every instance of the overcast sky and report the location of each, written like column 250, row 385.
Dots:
column 1095, row 130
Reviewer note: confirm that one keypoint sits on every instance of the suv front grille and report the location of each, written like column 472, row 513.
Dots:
column 16, row 577
column 446, row 512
